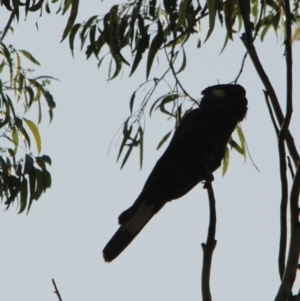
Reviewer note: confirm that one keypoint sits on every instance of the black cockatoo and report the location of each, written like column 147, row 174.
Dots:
column 198, row 146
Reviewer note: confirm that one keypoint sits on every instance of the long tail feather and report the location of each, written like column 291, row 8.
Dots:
column 128, row 231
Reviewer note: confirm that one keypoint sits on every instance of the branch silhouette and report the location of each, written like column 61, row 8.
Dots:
column 209, row 246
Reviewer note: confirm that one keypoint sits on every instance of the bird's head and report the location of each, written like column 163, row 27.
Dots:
column 227, row 96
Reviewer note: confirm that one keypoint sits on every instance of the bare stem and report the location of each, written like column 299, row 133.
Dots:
column 56, row 291
column 294, row 248
column 209, row 246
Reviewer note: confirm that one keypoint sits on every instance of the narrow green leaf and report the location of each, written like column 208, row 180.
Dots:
column 28, row 166
column 16, row 8
column 225, row 43
column 118, row 68
column 25, row 136
column 131, row 101
column 163, row 140
column 264, row 31
column 155, row 46
column 36, row 6
column 130, row 147
column 254, row 10
column 242, row 140
column 15, row 138
column 46, row 179
column 8, row 58
column 181, row 13
column 39, row 111
column 36, row 134
column 229, row 8
column 39, row 184
column 212, row 9
column 198, row 26
column 24, row 195
column 72, row 18
column 48, row 11
column 67, row 4
column 225, row 161
column 18, row 65
column 166, row 100
column 72, row 37
column 32, row 185
column 8, row 164
column 126, row 136
column 296, row 35
column 30, row 93
column 237, row 147
column 183, row 65
column 30, row 57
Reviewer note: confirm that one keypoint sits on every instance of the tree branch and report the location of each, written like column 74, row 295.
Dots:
column 281, row 138
column 283, row 207
column 56, row 291
column 209, row 246
column 271, row 112
column 294, row 248
column 248, row 42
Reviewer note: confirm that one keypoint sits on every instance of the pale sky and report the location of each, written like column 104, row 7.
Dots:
column 66, row 230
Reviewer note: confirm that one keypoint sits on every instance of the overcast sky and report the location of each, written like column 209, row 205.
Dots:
column 66, row 230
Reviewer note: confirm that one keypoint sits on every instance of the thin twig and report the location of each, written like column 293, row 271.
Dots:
column 171, row 64
column 209, row 246
column 294, row 248
column 56, row 291
column 241, row 69
column 12, row 15
column 284, row 193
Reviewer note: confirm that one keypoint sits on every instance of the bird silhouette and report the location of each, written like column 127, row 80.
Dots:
column 198, row 146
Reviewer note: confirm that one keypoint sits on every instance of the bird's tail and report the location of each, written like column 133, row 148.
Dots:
column 129, row 229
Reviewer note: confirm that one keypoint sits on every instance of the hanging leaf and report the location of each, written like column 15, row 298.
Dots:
column 32, row 185
column 155, row 46
column 225, row 161
column 35, row 133
column 72, row 37
column 30, row 57
column 130, row 148
column 242, row 140
column 72, row 18
column 182, row 14
column 23, row 195
column 296, row 35
column 183, row 65
column 163, row 140
column 15, row 138
column 212, row 9
column 28, row 166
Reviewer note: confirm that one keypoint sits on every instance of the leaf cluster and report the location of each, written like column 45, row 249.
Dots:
column 25, row 177
column 146, row 28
